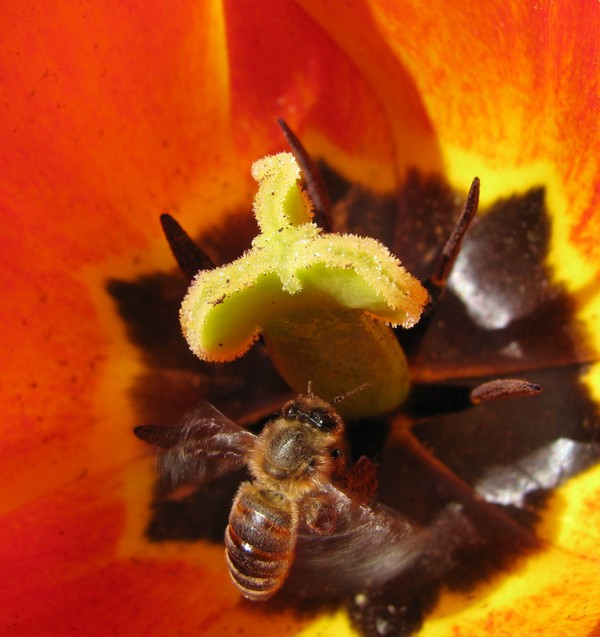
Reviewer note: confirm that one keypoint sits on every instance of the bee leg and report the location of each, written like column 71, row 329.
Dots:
column 319, row 514
column 315, row 186
column 361, row 480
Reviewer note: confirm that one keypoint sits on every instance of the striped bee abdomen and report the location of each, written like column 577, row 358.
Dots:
column 260, row 540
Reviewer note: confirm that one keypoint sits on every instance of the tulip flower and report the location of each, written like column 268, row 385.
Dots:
column 114, row 113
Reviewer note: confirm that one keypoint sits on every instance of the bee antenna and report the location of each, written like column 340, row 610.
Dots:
column 338, row 399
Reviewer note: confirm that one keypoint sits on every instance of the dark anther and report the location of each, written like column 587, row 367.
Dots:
column 430, row 399
column 314, row 182
column 189, row 256
column 436, row 284
column 502, row 389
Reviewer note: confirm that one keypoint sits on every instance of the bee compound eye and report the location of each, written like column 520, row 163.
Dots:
column 323, row 419
column 291, row 410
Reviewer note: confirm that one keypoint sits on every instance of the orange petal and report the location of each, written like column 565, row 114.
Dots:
column 511, row 90
column 79, row 564
column 97, row 148
column 112, row 114
column 284, row 65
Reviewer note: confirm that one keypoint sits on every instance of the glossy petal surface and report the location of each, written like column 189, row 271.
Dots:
column 114, row 113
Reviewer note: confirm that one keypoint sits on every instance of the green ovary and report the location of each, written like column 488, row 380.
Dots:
column 338, row 351
column 320, row 300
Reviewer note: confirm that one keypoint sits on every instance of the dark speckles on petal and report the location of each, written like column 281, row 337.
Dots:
column 219, row 300
column 513, row 453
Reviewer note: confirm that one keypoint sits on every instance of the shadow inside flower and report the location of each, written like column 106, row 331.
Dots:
column 502, row 314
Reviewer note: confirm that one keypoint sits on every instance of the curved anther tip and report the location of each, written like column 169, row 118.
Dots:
column 502, row 389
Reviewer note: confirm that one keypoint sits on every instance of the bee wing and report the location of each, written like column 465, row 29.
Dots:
column 370, row 544
column 204, row 445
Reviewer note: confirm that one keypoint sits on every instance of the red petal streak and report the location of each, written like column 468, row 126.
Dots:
column 284, row 65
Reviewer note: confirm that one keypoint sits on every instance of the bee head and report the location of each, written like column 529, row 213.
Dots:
column 303, row 444
column 309, row 409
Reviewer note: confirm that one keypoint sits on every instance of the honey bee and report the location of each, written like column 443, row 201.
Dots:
column 294, row 510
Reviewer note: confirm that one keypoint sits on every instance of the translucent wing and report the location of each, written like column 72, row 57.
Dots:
column 204, row 445
column 370, row 544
